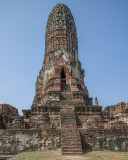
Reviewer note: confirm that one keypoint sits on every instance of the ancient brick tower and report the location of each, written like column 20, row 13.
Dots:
column 60, row 90
column 60, row 84
column 61, row 79
column 62, row 114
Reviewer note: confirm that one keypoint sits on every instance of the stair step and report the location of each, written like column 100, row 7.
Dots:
column 69, row 147
column 70, row 136
column 71, row 150
column 71, row 142
column 71, row 153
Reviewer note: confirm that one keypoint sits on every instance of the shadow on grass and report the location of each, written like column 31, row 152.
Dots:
column 87, row 151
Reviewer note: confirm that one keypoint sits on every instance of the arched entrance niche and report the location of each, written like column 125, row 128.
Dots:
column 63, row 76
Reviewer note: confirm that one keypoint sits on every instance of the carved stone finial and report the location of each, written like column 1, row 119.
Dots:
column 96, row 101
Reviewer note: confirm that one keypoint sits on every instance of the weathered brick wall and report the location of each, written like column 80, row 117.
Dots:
column 55, row 120
column 17, row 141
column 82, row 118
column 7, row 114
column 117, row 110
column 8, row 110
column 113, row 140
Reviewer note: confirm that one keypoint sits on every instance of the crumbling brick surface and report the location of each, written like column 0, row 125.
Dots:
column 17, row 141
column 70, row 137
column 7, row 114
column 61, row 106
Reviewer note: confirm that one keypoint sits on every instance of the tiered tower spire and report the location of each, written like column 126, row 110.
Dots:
column 61, row 64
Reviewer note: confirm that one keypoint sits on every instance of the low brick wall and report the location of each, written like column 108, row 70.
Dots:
column 113, row 140
column 17, row 141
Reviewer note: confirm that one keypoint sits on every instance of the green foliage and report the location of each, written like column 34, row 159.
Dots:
column 102, row 138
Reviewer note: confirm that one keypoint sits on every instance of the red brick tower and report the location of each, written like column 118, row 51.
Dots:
column 62, row 112
column 61, row 69
column 61, row 80
column 60, row 90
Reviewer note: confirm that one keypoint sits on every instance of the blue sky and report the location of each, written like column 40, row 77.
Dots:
column 102, row 30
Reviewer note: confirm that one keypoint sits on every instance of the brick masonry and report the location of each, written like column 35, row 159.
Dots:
column 70, row 136
column 62, row 113
column 17, row 141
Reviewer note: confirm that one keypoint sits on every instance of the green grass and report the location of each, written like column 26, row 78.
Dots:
column 56, row 155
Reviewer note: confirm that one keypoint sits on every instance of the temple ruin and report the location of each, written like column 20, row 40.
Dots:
column 62, row 114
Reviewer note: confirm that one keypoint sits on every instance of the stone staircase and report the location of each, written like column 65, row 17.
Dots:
column 70, row 136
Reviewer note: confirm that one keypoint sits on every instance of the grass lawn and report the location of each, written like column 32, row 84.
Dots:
column 56, row 155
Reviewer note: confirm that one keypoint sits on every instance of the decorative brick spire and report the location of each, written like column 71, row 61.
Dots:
column 61, row 57
column 60, row 34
